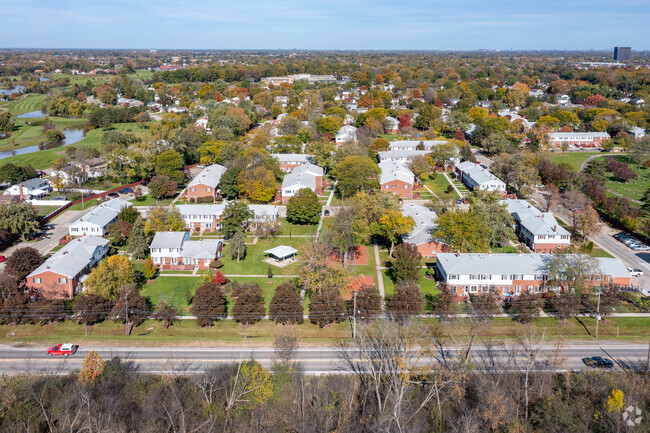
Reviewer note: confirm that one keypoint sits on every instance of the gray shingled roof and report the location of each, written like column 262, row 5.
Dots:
column 73, row 257
column 168, row 240
column 210, row 176
column 391, row 170
column 424, row 223
column 304, row 175
column 203, row 249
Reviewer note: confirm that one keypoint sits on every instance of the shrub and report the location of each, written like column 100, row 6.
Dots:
column 204, row 200
column 216, row 264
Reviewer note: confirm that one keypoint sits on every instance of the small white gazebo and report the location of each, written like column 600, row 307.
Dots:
column 281, row 255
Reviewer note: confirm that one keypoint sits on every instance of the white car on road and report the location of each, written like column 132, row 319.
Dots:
column 635, row 272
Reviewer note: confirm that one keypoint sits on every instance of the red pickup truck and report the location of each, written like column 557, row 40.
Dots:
column 63, row 349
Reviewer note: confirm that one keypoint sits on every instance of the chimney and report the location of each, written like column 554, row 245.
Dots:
column 519, row 252
column 555, row 228
column 489, row 252
column 458, row 254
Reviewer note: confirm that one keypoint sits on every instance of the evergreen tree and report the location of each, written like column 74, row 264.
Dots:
column 406, row 263
column 304, row 207
column 138, row 244
column 238, row 245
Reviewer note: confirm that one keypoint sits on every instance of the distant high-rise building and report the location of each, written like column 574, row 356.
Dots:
column 622, row 54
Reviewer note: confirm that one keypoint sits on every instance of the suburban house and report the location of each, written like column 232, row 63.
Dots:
column 202, row 122
column 289, row 161
column 475, row 176
column 397, row 178
column 391, row 125
column 175, row 250
column 347, row 134
column 205, row 184
column 539, row 230
column 305, row 176
column 474, row 273
column 404, row 156
column 420, row 237
column 208, row 216
column 414, row 144
column 62, row 275
column 95, row 221
column 29, row 189
column 578, row 139
column 637, row 133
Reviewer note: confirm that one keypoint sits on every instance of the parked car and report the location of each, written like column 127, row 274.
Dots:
column 113, row 194
column 58, row 197
column 66, row 349
column 598, row 362
column 125, row 191
column 327, row 212
column 3, row 258
column 635, row 272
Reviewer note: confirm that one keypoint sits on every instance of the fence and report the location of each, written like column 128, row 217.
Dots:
column 51, row 215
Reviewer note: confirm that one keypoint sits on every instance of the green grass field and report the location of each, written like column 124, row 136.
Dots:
column 427, row 285
column 171, row 290
column 25, row 135
column 635, row 188
column 252, row 264
column 229, row 332
column 148, row 200
column 43, row 158
column 439, row 187
column 574, row 159
column 26, row 104
column 296, row 229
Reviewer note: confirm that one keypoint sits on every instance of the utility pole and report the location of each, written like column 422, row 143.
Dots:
column 597, row 314
column 126, row 298
column 354, row 317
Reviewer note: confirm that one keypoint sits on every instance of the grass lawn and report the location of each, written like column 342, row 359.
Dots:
column 439, row 187
column 427, row 285
column 368, row 269
column 43, row 158
column 24, row 134
column 252, row 264
column 296, row 229
column 574, row 159
column 44, row 210
column 171, row 290
column 87, row 204
column 633, row 189
column 148, row 200
column 186, row 332
column 31, row 102
column 599, row 252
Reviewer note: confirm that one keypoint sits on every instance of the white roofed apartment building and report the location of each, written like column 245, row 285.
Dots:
column 62, row 275
column 289, row 161
column 578, row 139
column 175, row 250
column 29, row 189
column 205, row 184
column 425, row 224
column 396, row 178
column 474, row 176
column 513, row 274
column 95, row 221
column 414, row 144
column 207, row 217
column 305, row 176
column 539, row 230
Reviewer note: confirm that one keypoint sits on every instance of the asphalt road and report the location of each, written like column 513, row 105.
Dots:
column 16, row 360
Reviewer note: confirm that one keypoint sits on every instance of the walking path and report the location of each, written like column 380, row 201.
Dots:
column 380, row 279
column 230, row 275
column 322, row 214
column 428, row 189
column 452, row 184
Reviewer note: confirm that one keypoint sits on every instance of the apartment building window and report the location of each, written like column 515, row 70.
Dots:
column 504, row 277
column 37, row 281
column 517, row 290
column 453, row 289
column 541, row 237
column 452, row 277
column 485, row 289
column 74, row 229
column 63, row 280
column 473, row 289
column 208, row 189
column 538, row 289
column 473, row 277
column 192, row 189
column 484, row 277
column 156, row 259
column 406, row 187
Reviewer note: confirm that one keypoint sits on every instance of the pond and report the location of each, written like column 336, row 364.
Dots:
column 32, row 115
column 72, row 135
column 16, row 89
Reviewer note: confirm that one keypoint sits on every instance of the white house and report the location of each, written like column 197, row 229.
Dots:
column 539, row 230
column 347, row 134
column 208, row 216
column 95, row 221
column 305, row 176
column 405, row 156
column 202, row 122
column 414, row 144
column 29, row 189
column 475, row 176
column 175, row 250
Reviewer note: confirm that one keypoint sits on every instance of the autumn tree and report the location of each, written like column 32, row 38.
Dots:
column 526, row 307
column 22, row 262
column 162, row 186
column 407, row 301
column 164, row 219
column 394, row 225
column 406, row 263
column 572, row 271
column 209, row 304
column 249, row 306
column 369, row 302
column 166, row 313
column 110, row 276
column 258, row 183
column 169, row 163
column 463, row 231
column 90, row 308
column 149, row 270
column 355, row 174
column 317, row 271
column 92, row 368
column 304, row 207
column 130, row 304
column 286, row 305
column 326, row 307
column 587, row 222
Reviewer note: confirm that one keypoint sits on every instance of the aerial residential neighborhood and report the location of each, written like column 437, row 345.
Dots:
column 298, row 240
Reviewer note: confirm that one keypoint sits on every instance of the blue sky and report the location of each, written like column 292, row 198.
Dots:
column 326, row 24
